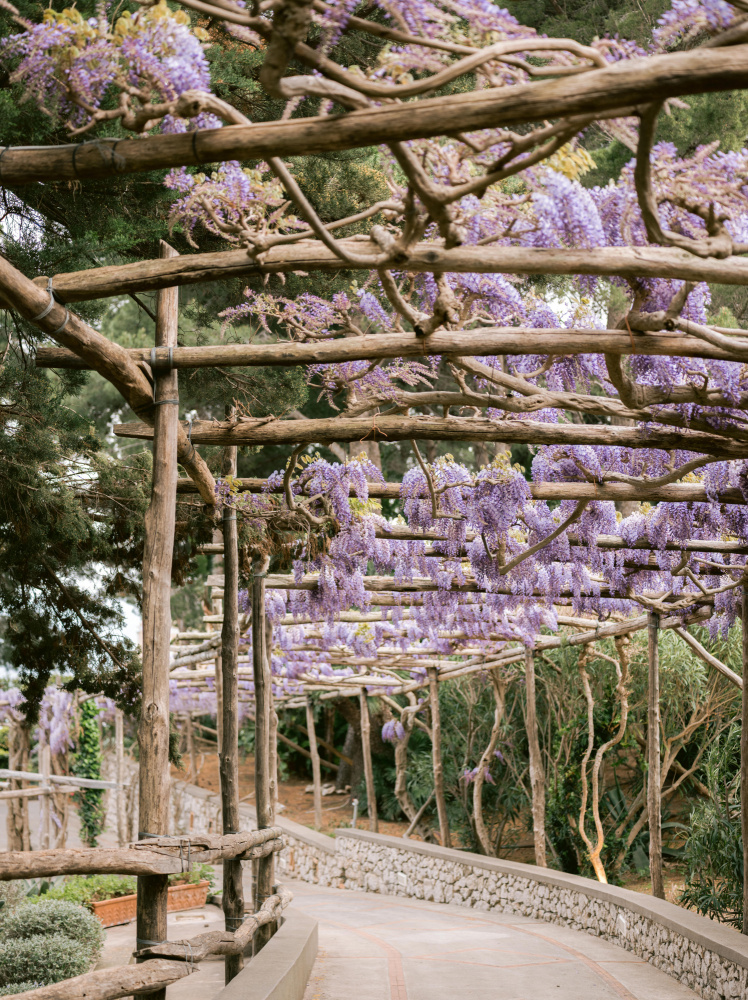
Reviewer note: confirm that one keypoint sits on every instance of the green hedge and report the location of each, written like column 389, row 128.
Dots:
column 8, row 991
column 57, row 916
column 42, row 958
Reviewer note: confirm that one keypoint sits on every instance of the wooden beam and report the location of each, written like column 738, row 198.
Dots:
column 396, row 428
column 311, row 255
column 468, row 343
column 672, row 493
column 621, row 85
column 151, row 978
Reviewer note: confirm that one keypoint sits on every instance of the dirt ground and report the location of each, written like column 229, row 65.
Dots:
column 337, row 812
column 298, row 804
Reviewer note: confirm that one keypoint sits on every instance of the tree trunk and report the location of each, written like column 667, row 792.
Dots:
column 263, row 792
column 499, row 691
column 371, row 792
column 537, row 771
column 654, row 794
column 233, row 892
column 316, row 770
column 436, row 752
column 153, row 732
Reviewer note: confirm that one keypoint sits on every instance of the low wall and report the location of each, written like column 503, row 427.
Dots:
column 282, row 969
column 706, row 956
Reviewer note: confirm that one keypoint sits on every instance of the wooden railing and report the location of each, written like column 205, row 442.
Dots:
column 164, row 963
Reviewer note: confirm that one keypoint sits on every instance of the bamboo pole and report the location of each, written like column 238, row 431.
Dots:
column 153, row 731
column 654, row 796
column 614, row 89
column 263, row 792
column 371, row 792
column 233, row 893
column 400, row 428
column 316, row 770
column 119, row 751
column 744, row 760
column 537, row 771
column 436, row 753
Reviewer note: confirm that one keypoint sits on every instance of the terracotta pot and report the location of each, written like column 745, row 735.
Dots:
column 123, row 909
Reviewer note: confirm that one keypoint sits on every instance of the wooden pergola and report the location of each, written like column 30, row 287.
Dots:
column 148, row 381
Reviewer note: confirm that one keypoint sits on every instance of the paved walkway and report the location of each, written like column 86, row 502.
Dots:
column 374, row 947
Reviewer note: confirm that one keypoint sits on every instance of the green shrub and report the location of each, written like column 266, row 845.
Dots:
column 42, row 958
column 713, row 851
column 8, row 991
column 57, row 916
column 87, row 764
column 87, row 889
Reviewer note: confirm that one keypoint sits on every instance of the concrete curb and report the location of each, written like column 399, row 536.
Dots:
column 282, row 968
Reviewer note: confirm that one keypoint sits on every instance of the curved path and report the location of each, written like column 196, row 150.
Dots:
column 374, row 947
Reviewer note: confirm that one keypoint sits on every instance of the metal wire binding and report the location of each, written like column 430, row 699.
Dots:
column 162, row 402
column 144, row 835
column 141, row 943
column 50, row 305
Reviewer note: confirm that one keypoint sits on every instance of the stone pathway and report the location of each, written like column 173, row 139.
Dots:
column 374, row 947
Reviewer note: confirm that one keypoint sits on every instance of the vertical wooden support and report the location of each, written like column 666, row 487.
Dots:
column 45, row 801
column 153, row 731
column 233, row 894
column 654, row 799
column 190, row 729
column 316, row 770
column 436, row 756
column 744, row 760
column 272, row 739
column 371, row 792
column 263, row 792
column 537, row 771
column 19, row 833
column 119, row 752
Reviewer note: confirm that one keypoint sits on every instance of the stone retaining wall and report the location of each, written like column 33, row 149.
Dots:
column 707, row 957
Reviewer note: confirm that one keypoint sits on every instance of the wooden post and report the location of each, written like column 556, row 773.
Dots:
column 191, row 746
column 19, row 834
column 744, row 760
column 263, row 792
column 45, row 801
column 153, row 731
column 233, row 894
column 537, row 771
column 316, row 770
column 371, row 793
column 119, row 750
column 654, row 799
column 436, row 756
